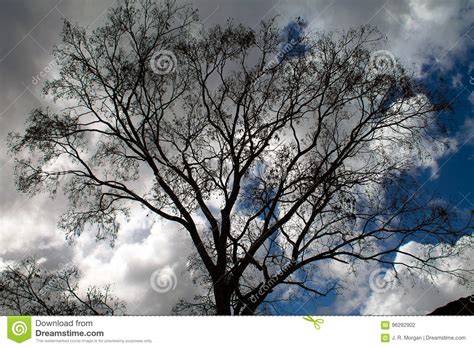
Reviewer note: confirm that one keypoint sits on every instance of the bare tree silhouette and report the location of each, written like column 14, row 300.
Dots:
column 290, row 159
column 27, row 289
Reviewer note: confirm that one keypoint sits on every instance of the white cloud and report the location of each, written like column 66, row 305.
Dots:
column 29, row 227
column 142, row 248
column 408, row 24
column 419, row 293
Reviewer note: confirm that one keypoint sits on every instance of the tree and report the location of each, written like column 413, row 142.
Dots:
column 27, row 289
column 291, row 158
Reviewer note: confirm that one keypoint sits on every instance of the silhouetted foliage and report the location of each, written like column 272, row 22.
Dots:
column 27, row 289
column 273, row 162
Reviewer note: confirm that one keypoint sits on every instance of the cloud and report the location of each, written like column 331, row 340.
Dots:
column 369, row 288
column 419, row 293
column 144, row 249
column 466, row 133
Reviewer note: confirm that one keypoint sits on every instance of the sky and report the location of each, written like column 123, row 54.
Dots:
column 434, row 38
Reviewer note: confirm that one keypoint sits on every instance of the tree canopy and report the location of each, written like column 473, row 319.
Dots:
column 272, row 160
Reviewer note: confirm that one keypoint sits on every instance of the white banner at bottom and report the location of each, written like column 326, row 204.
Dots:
column 210, row 332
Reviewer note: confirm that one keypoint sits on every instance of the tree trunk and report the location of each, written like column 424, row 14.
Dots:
column 222, row 296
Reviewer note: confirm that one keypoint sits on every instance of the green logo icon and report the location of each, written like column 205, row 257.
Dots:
column 385, row 338
column 19, row 328
column 316, row 322
column 385, row 325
